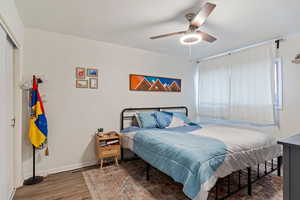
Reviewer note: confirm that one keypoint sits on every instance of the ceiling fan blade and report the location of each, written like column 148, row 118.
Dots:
column 207, row 37
column 202, row 15
column 167, row 35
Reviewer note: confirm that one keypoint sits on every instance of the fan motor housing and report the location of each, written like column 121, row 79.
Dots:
column 190, row 16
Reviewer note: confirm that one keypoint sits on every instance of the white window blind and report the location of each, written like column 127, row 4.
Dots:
column 238, row 86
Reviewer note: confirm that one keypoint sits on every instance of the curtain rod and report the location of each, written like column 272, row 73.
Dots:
column 239, row 49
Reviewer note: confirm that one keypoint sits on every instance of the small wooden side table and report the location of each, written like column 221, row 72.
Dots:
column 108, row 146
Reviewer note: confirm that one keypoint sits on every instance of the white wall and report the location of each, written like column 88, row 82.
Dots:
column 9, row 15
column 10, row 20
column 290, row 121
column 74, row 114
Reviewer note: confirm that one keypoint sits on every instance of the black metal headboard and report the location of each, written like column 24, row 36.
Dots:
column 131, row 117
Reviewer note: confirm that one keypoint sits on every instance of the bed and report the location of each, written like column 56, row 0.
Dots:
column 197, row 156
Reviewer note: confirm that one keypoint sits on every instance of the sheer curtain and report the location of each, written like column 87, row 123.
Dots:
column 238, row 86
column 214, row 90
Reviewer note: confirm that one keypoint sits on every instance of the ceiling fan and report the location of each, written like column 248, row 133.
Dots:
column 193, row 35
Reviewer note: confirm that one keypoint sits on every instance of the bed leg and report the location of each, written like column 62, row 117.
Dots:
column 279, row 163
column 228, row 185
column 240, row 172
column 147, row 172
column 249, row 181
column 266, row 169
column 217, row 197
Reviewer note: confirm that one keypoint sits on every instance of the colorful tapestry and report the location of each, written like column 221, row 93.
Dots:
column 154, row 83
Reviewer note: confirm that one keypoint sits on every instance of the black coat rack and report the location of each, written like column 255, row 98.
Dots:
column 34, row 179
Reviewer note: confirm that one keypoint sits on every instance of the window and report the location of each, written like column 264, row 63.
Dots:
column 238, row 86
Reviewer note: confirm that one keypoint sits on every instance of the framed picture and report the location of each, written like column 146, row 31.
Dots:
column 93, row 83
column 80, row 73
column 82, row 84
column 154, row 83
column 91, row 72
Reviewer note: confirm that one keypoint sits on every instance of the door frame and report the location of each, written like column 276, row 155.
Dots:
column 18, row 129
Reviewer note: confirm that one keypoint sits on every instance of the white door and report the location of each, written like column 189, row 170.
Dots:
column 10, row 115
column 6, row 117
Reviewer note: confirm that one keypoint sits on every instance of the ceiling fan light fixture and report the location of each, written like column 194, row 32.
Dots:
column 190, row 39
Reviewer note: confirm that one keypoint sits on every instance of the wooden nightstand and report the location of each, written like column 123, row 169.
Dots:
column 108, row 146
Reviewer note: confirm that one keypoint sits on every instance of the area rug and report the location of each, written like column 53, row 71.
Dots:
column 128, row 182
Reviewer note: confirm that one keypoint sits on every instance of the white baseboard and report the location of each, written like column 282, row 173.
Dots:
column 60, row 169
column 19, row 182
column 12, row 194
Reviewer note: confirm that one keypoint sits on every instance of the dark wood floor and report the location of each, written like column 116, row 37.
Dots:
column 61, row 186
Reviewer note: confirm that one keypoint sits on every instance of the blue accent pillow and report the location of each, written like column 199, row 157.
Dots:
column 146, row 120
column 163, row 119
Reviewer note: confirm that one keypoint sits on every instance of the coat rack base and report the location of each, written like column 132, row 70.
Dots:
column 33, row 180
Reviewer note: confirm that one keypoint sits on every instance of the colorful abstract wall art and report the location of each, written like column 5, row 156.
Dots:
column 154, row 83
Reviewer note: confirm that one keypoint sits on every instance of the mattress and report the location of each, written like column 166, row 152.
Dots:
column 244, row 148
column 127, row 140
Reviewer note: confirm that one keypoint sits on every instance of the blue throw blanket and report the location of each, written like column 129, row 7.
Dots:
column 189, row 159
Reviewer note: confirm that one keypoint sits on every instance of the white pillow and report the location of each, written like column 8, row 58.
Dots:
column 176, row 122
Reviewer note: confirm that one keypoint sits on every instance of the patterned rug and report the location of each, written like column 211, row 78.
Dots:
column 128, row 182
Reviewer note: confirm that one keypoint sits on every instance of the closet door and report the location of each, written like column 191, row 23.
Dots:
column 6, row 117
column 10, row 116
column 3, row 121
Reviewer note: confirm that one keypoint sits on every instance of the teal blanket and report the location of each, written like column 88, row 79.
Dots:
column 189, row 159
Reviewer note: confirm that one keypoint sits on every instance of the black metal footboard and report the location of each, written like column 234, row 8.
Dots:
column 269, row 167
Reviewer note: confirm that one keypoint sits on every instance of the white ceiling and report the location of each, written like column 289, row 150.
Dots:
column 235, row 23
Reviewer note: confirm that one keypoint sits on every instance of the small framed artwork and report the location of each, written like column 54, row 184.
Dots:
column 82, row 84
column 93, row 83
column 80, row 73
column 91, row 72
